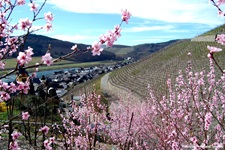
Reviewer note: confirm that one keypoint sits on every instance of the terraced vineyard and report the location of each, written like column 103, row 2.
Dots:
column 156, row 68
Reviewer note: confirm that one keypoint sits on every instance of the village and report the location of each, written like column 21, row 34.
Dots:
column 58, row 84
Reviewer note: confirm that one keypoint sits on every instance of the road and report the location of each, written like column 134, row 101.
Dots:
column 115, row 92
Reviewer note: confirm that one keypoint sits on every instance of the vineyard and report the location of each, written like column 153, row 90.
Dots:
column 155, row 69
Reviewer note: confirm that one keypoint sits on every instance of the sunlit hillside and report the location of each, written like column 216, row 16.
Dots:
column 167, row 62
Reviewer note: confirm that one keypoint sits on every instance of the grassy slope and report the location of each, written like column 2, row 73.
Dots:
column 155, row 69
column 120, row 51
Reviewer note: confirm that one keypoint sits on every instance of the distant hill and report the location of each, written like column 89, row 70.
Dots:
column 138, row 51
column 58, row 48
column 41, row 43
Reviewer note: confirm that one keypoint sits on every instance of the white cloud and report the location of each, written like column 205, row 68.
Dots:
column 179, row 11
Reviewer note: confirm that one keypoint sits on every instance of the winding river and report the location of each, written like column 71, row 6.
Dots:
column 46, row 73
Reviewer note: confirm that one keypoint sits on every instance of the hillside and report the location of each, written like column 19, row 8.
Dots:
column 167, row 62
column 218, row 30
column 41, row 43
column 58, row 48
column 138, row 51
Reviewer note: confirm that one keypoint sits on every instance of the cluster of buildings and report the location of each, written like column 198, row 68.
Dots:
column 61, row 80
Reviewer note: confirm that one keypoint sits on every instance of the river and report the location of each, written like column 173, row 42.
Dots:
column 46, row 73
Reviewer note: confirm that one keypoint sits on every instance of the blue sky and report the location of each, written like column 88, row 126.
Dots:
column 84, row 21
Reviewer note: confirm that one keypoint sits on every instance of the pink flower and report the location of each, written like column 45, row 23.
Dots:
column 74, row 47
column 12, row 88
column 15, row 135
column 25, row 115
column 213, row 49
column 33, row 6
column 25, row 23
column 4, row 85
column 220, row 2
column 4, row 96
column 14, row 145
column 125, row 15
column 47, row 59
column 194, row 140
column 25, row 57
column 49, row 17
column 12, row 40
column 47, row 145
column 22, row 58
column 21, row 2
column 23, row 87
column 52, row 139
column 208, row 120
column 220, row 13
column 29, row 51
column 44, row 129
column 221, row 39
column 96, row 48
column 2, row 65
column 117, row 30
column 48, row 26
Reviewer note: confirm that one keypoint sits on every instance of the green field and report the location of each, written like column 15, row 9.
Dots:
column 120, row 51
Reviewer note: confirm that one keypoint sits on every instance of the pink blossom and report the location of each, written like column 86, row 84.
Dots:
column 12, row 40
column 111, row 37
column 29, row 51
column 49, row 17
column 47, row 59
column 220, row 2
column 34, row 75
column 15, row 135
column 25, row 115
column 221, row 39
column 47, row 145
column 4, row 96
column 117, row 30
column 74, row 48
column 23, row 87
column 220, row 13
column 4, row 85
column 96, row 48
column 14, row 145
column 125, row 15
column 209, row 55
column 52, row 139
column 2, row 65
column 44, row 129
column 194, row 140
column 25, row 24
column 21, row 2
column 33, row 6
column 208, row 120
column 48, row 26
column 103, row 39
column 23, row 59
column 213, row 49
column 12, row 88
